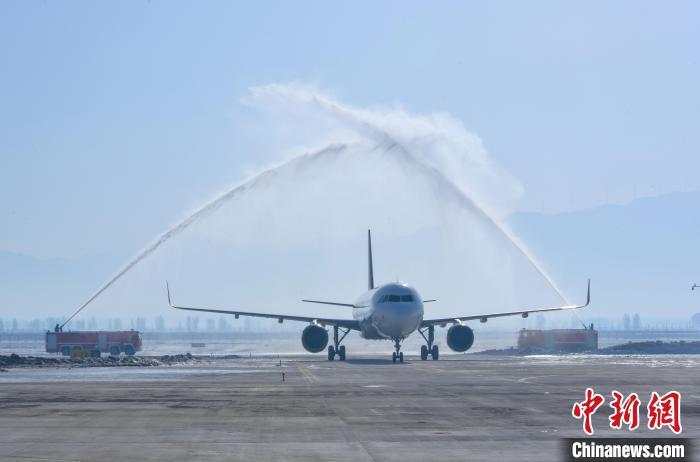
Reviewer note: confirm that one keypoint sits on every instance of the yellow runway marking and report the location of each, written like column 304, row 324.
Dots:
column 306, row 373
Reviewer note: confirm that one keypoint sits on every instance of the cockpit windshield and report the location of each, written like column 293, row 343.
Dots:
column 396, row 298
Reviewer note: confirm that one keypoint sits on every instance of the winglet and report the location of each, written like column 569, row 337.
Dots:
column 370, row 281
column 588, row 294
column 167, row 288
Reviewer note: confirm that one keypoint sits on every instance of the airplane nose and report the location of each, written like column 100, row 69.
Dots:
column 399, row 320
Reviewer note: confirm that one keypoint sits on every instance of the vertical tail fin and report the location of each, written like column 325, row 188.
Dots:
column 370, row 269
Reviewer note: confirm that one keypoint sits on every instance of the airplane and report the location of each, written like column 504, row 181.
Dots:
column 391, row 311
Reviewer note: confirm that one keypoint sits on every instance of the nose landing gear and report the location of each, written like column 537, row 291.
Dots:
column 338, row 349
column 429, row 349
column 398, row 354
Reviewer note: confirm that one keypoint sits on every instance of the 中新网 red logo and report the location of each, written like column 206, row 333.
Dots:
column 662, row 410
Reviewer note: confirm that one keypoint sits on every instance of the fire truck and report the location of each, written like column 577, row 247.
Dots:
column 93, row 343
column 559, row 339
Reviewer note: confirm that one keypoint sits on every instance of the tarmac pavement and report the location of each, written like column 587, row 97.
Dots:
column 474, row 408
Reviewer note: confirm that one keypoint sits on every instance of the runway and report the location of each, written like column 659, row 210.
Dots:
column 365, row 409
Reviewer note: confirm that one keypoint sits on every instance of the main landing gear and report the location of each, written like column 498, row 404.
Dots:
column 338, row 349
column 429, row 349
column 398, row 354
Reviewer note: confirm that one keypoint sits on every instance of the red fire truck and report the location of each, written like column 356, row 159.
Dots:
column 559, row 339
column 93, row 343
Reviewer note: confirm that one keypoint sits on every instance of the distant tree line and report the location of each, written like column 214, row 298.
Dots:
column 628, row 322
column 155, row 324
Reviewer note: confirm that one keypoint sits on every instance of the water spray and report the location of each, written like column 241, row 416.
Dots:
column 383, row 136
column 182, row 226
column 381, row 139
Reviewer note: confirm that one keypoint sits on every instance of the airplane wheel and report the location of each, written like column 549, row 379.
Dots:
column 341, row 352
column 393, row 356
column 401, row 357
column 423, row 352
column 435, row 353
column 331, row 353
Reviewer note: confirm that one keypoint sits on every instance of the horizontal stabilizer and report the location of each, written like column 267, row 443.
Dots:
column 330, row 303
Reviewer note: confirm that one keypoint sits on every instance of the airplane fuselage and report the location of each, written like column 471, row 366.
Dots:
column 389, row 311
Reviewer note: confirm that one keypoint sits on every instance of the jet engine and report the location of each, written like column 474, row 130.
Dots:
column 314, row 338
column 460, row 338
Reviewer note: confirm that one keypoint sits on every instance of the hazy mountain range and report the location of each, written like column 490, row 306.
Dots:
column 643, row 256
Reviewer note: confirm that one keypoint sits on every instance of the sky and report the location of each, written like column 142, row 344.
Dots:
column 118, row 118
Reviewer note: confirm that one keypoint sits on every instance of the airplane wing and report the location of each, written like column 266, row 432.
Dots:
column 344, row 323
column 485, row 317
